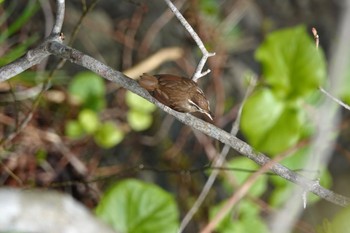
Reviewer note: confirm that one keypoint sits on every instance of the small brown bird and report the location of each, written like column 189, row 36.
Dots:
column 178, row 93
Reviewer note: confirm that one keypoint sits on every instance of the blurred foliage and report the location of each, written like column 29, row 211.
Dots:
column 139, row 115
column 339, row 224
column 134, row 206
column 245, row 217
column 88, row 90
column 273, row 118
column 108, row 135
column 6, row 35
column 258, row 188
column 209, row 7
column 246, row 212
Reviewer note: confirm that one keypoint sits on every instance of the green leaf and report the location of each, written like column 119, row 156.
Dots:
column 139, row 121
column 89, row 90
column 136, row 207
column 258, row 188
column 138, row 103
column 89, row 120
column 273, row 119
column 269, row 124
column 108, row 135
column 291, row 64
column 73, row 129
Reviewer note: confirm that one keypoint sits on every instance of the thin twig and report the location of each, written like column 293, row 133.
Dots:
column 316, row 37
column 338, row 101
column 335, row 99
column 198, row 73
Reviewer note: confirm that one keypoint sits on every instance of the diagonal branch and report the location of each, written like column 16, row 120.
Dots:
column 241, row 147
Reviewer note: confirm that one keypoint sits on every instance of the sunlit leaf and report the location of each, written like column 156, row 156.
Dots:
column 292, row 65
column 271, row 125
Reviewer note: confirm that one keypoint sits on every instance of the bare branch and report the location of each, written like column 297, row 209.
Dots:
column 31, row 58
column 198, row 74
column 241, row 147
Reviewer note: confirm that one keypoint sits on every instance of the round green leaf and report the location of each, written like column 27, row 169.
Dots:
column 73, row 129
column 138, row 103
column 285, row 133
column 89, row 89
column 139, row 121
column 260, row 112
column 291, row 64
column 133, row 206
column 89, row 120
column 270, row 124
column 108, row 135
